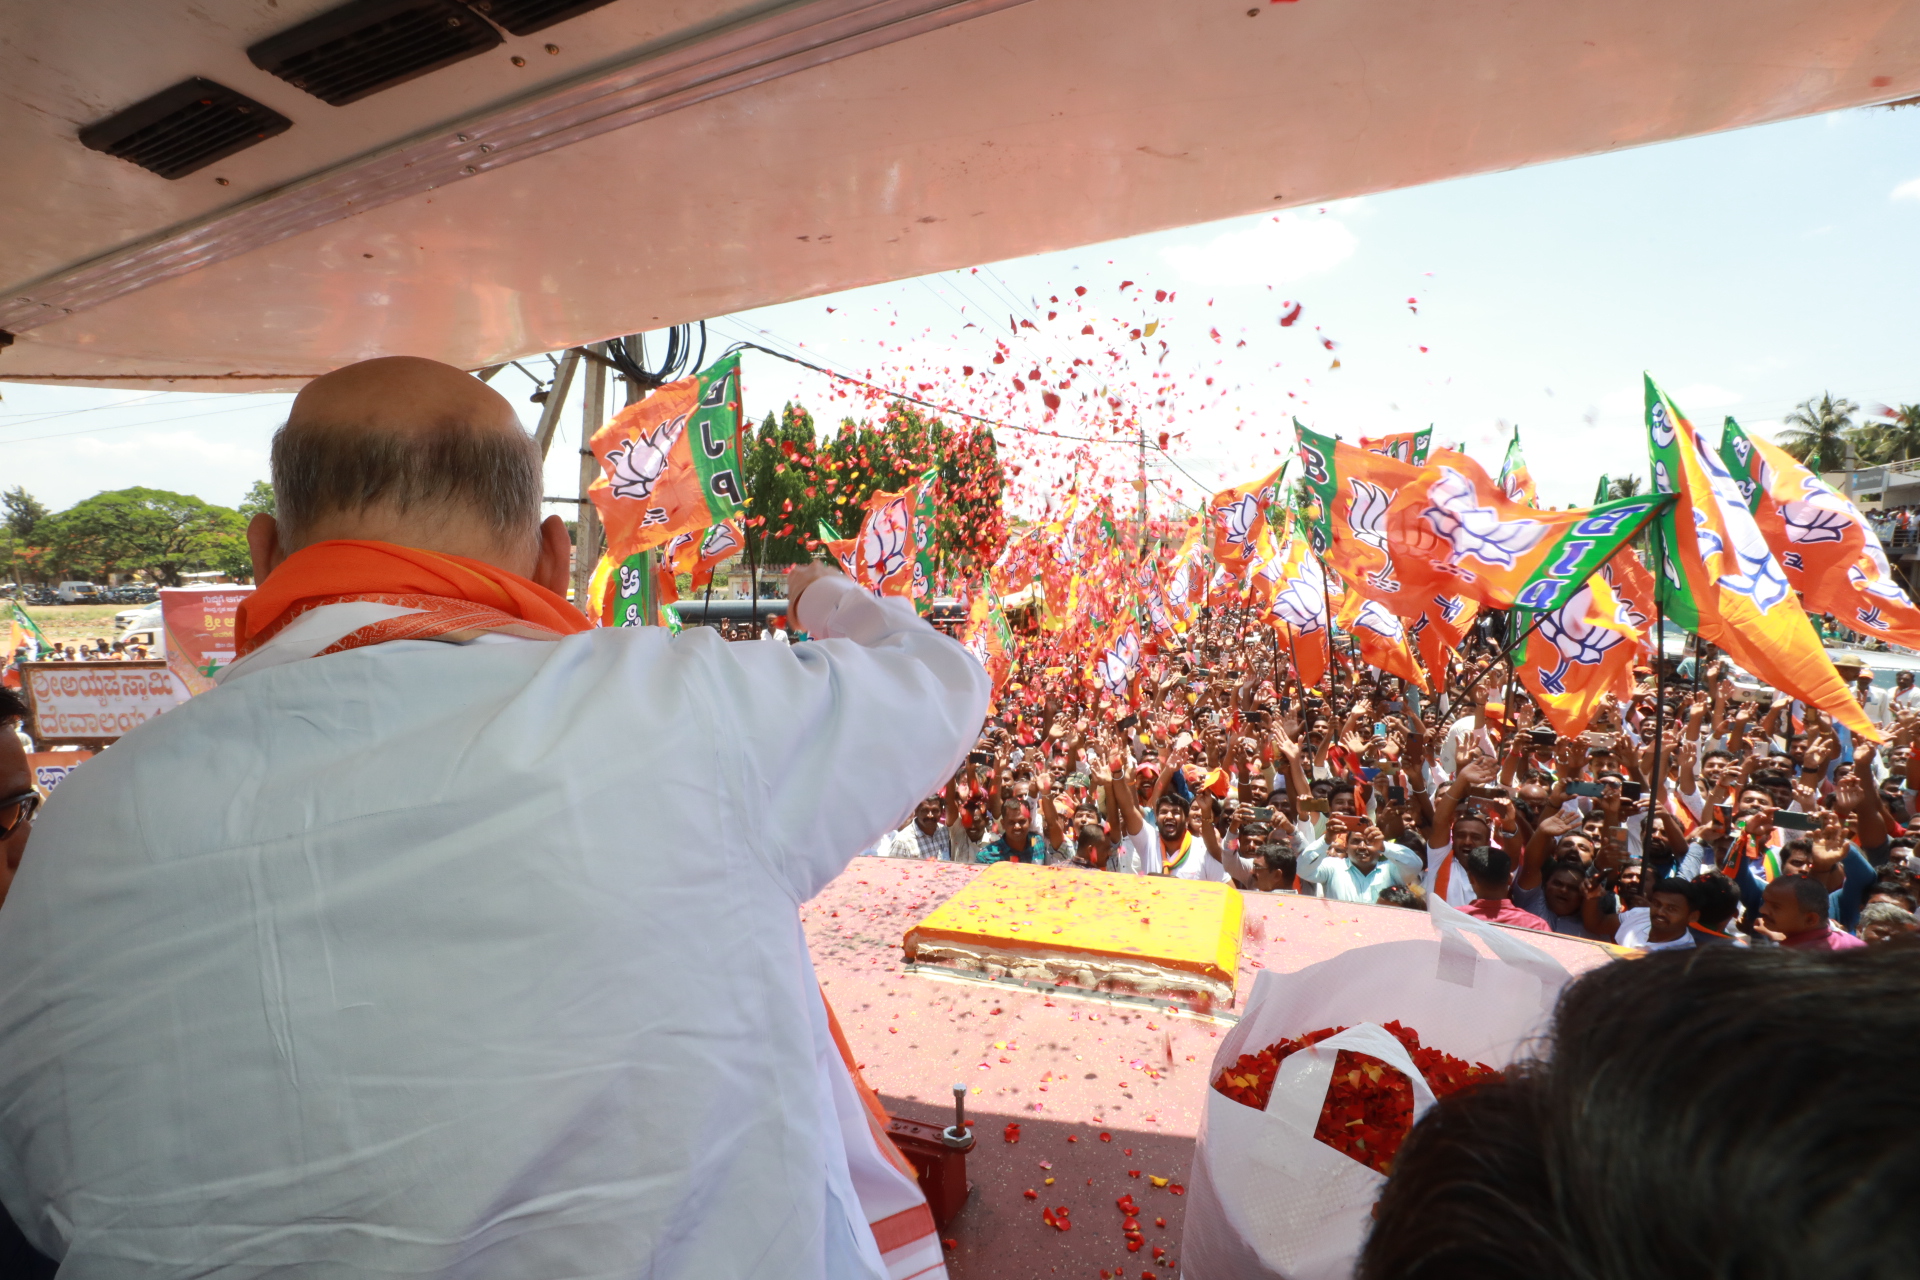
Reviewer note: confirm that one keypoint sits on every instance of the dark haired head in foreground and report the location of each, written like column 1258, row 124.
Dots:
column 1715, row 1112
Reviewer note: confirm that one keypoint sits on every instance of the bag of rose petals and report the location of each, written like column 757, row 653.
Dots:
column 1268, row 1199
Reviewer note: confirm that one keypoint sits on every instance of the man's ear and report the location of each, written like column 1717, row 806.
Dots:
column 554, row 565
column 263, row 544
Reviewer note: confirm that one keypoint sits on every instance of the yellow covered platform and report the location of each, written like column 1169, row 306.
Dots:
column 1142, row 935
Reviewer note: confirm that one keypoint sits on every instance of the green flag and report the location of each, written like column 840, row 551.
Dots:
column 1600, row 490
column 1674, row 594
column 1737, row 452
column 28, row 625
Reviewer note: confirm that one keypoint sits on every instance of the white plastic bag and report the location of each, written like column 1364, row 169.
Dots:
column 1268, row 1201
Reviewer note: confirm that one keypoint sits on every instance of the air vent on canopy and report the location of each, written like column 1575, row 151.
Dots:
column 185, row 128
column 524, row 17
column 365, row 46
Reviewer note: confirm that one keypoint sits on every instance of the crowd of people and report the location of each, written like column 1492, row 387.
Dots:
column 1895, row 525
column 98, row 649
column 1768, row 825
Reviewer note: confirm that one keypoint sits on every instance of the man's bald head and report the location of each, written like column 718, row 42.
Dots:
column 411, row 451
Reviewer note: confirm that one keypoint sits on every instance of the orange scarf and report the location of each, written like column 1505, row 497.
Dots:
column 457, row 598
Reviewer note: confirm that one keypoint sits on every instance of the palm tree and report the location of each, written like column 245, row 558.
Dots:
column 1899, row 439
column 1624, row 487
column 1818, row 432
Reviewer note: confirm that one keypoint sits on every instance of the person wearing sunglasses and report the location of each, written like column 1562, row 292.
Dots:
column 18, row 799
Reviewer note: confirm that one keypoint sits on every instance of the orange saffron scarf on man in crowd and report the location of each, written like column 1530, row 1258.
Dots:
column 457, row 598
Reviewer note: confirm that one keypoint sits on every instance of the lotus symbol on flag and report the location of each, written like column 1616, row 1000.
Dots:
column 1759, row 577
column 1367, row 516
column 1476, row 531
column 1375, row 618
column 1117, row 664
column 883, row 547
column 636, row 466
column 1577, row 643
column 1298, row 607
column 1870, row 574
column 720, row 541
column 1814, row 522
column 1661, row 424
column 1238, row 517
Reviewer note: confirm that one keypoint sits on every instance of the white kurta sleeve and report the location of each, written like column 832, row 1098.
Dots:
column 840, row 738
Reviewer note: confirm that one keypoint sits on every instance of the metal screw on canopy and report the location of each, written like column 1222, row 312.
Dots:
column 958, row 1136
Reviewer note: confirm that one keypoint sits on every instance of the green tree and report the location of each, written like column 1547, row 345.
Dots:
column 1894, row 441
column 161, row 533
column 24, row 512
column 259, row 500
column 780, row 462
column 1625, row 486
column 795, row 481
column 1819, row 430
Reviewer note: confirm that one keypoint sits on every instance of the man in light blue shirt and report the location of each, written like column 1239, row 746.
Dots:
column 1370, row 863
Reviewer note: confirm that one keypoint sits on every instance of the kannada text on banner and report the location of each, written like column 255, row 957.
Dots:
column 96, row 701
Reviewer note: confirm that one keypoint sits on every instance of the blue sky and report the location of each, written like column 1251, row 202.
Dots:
column 1746, row 271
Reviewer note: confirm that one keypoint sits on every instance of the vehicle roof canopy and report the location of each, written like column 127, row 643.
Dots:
column 672, row 162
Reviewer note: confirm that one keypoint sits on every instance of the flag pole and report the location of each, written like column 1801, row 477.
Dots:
column 1655, row 783
column 1506, row 699
column 1326, row 602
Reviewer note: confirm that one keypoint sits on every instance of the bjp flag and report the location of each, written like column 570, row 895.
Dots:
column 885, row 556
column 671, row 462
column 1581, row 652
column 1439, row 628
column 1404, row 446
column 1116, row 657
column 989, row 637
column 1236, row 515
column 1515, row 480
column 1453, row 528
column 1716, row 575
column 1349, row 491
column 1830, row 555
column 1184, row 582
column 1299, row 608
column 1381, row 637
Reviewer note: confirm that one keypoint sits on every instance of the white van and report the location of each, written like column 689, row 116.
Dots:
column 76, row 592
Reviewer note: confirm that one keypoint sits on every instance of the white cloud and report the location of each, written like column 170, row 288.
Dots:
column 1277, row 250
column 1908, row 190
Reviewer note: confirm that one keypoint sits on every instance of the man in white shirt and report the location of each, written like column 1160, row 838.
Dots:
column 1664, row 923
column 922, row 838
column 1904, row 696
column 450, row 936
column 1371, row 863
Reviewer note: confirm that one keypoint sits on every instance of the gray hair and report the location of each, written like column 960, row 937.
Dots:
column 321, row 469
column 1888, row 913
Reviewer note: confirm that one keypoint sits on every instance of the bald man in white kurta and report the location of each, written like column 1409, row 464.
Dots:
column 472, row 959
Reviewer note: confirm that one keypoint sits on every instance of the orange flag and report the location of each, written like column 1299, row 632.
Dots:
column 1382, row 638
column 1717, row 576
column 1299, row 608
column 885, row 552
column 671, row 462
column 1237, row 515
column 1830, row 555
column 1346, row 516
column 1582, row 652
column 1452, row 529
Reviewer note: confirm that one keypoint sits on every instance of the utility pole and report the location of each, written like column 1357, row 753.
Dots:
column 1143, row 486
column 586, row 539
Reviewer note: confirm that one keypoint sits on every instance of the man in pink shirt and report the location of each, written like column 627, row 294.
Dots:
column 1490, row 871
column 1796, row 907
